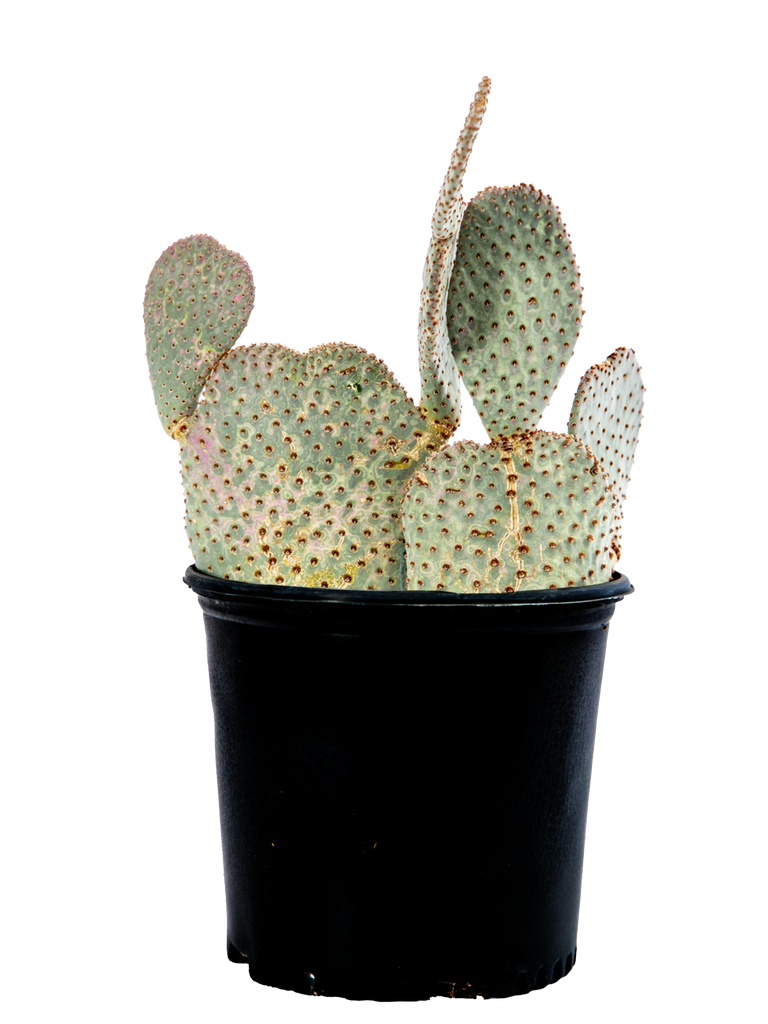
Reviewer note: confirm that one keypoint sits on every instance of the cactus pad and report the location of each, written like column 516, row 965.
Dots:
column 295, row 466
column 530, row 513
column 514, row 305
column 606, row 415
column 440, row 392
column 197, row 302
column 449, row 209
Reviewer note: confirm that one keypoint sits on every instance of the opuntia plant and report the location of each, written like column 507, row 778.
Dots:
column 532, row 509
column 317, row 469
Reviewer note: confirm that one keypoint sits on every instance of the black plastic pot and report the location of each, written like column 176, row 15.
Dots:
column 403, row 783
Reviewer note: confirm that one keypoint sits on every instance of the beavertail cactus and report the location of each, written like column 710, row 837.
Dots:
column 197, row 302
column 317, row 469
column 606, row 415
column 440, row 394
column 532, row 509
column 514, row 305
column 295, row 466
column 530, row 512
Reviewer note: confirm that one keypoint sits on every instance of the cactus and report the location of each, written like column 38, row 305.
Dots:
column 317, row 469
column 532, row 509
column 440, row 394
column 514, row 305
column 526, row 513
column 295, row 466
column 606, row 415
column 197, row 302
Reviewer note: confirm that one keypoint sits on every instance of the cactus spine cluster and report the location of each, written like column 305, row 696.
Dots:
column 317, row 469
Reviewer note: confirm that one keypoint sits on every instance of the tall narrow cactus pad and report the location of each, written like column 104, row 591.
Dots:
column 197, row 302
column 606, row 415
column 295, row 467
column 440, row 393
column 514, row 305
column 529, row 513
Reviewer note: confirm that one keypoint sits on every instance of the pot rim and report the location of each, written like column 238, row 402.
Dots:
column 214, row 587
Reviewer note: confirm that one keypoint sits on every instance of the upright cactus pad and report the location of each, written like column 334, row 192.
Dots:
column 449, row 209
column 606, row 415
column 528, row 513
column 514, row 305
column 197, row 302
column 607, row 410
column 295, row 467
column 440, row 392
